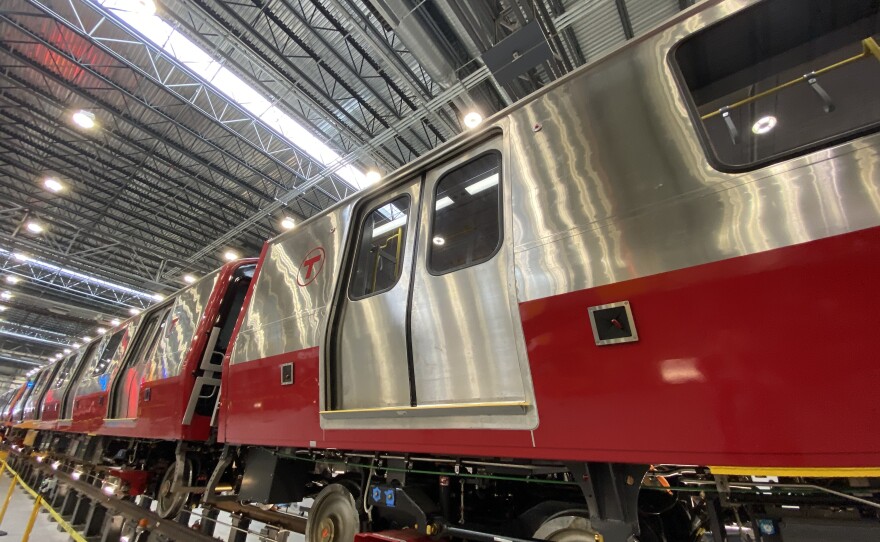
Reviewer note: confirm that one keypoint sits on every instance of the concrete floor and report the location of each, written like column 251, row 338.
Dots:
column 19, row 511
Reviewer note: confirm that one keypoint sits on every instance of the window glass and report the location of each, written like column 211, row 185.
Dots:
column 65, row 372
column 467, row 215
column 96, row 375
column 380, row 250
column 746, row 77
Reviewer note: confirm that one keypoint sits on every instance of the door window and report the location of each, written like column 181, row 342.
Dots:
column 467, row 215
column 380, row 250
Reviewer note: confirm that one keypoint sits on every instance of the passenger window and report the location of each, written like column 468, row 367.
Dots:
column 103, row 361
column 784, row 77
column 467, row 215
column 380, row 250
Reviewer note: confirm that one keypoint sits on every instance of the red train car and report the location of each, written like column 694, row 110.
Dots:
column 638, row 266
column 147, row 389
column 639, row 303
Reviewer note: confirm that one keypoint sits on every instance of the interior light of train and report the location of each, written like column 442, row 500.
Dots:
column 387, row 227
column 473, row 119
column 439, row 241
column 84, row 119
column 482, row 184
column 35, row 227
column 443, row 202
column 764, row 124
column 53, row 185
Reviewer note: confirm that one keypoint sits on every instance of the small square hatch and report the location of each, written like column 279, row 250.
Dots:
column 613, row 323
column 287, row 374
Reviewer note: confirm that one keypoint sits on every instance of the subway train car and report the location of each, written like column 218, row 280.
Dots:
column 641, row 302
column 145, row 391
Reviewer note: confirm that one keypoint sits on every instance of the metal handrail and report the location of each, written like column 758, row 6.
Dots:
column 869, row 48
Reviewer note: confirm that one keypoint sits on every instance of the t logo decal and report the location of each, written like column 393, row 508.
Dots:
column 311, row 266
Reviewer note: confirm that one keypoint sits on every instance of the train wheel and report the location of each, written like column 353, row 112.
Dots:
column 333, row 516
column 168, row 503
column 568, row 526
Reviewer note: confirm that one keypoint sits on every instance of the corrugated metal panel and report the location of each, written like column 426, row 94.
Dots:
column 598, row 29
column 646, row 14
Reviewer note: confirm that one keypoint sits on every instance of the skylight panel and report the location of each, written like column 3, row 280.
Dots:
column 225, row 81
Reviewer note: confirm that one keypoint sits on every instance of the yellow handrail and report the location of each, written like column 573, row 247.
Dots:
column 869, row 48
column 38, row 502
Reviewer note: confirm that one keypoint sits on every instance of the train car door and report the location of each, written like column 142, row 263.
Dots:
column 464, row 334
column 372, row 356
column 125, row 392
column 438, row 328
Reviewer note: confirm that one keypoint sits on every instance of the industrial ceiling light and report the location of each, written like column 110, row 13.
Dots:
column 3, row 308
column 439, row 241
column 287, row 223
column 101, row 330
column 115, row 322
column 473, row 119
column 230, row 255
column 75, row 345
column 6, row 295
column 53, row 185
column 87, row 338
column 67, row 350
column 158, row 297
column 34, row 227
column 59, row 355
column 84, row 119
column 373, row 177
column 189, row 279
column 764, row 125
column 133, row 311
column 12, row 279
column 21, row 257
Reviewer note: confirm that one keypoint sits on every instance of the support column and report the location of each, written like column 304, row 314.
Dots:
column 112, row 529
column 80, row 511
column 242, row 523
column 95, row 520
column 209, row 521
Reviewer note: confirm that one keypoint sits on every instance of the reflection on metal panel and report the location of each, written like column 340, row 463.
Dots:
column 180, row 329
column 371, row 368
column 284, row 316
column 615, row 185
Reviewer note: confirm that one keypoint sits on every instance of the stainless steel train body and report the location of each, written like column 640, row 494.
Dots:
column 604, row 181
